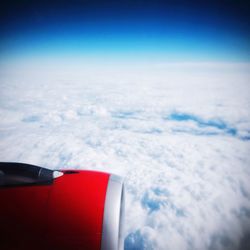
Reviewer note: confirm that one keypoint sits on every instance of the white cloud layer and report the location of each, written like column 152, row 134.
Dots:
column 178, row 133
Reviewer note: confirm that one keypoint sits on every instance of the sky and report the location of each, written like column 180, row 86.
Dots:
column 154, row 91
column 126, row 30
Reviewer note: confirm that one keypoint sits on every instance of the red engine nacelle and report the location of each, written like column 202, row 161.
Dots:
column 68, row 209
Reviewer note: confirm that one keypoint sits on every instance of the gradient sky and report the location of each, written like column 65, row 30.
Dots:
column 159, row 30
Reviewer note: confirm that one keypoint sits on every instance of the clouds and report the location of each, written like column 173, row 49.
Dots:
column 175, row 132
column 210, row 127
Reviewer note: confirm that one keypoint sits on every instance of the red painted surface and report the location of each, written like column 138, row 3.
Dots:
column 22, row 216
column 76, row 210
column 67, row 214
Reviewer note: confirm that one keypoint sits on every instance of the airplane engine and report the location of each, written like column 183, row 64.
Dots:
column 61, row 209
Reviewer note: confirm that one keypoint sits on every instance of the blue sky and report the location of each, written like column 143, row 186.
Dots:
column 177, row 132
column 158, row 30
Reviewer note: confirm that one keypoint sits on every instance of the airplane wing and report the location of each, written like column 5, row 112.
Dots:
column 62, row 209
